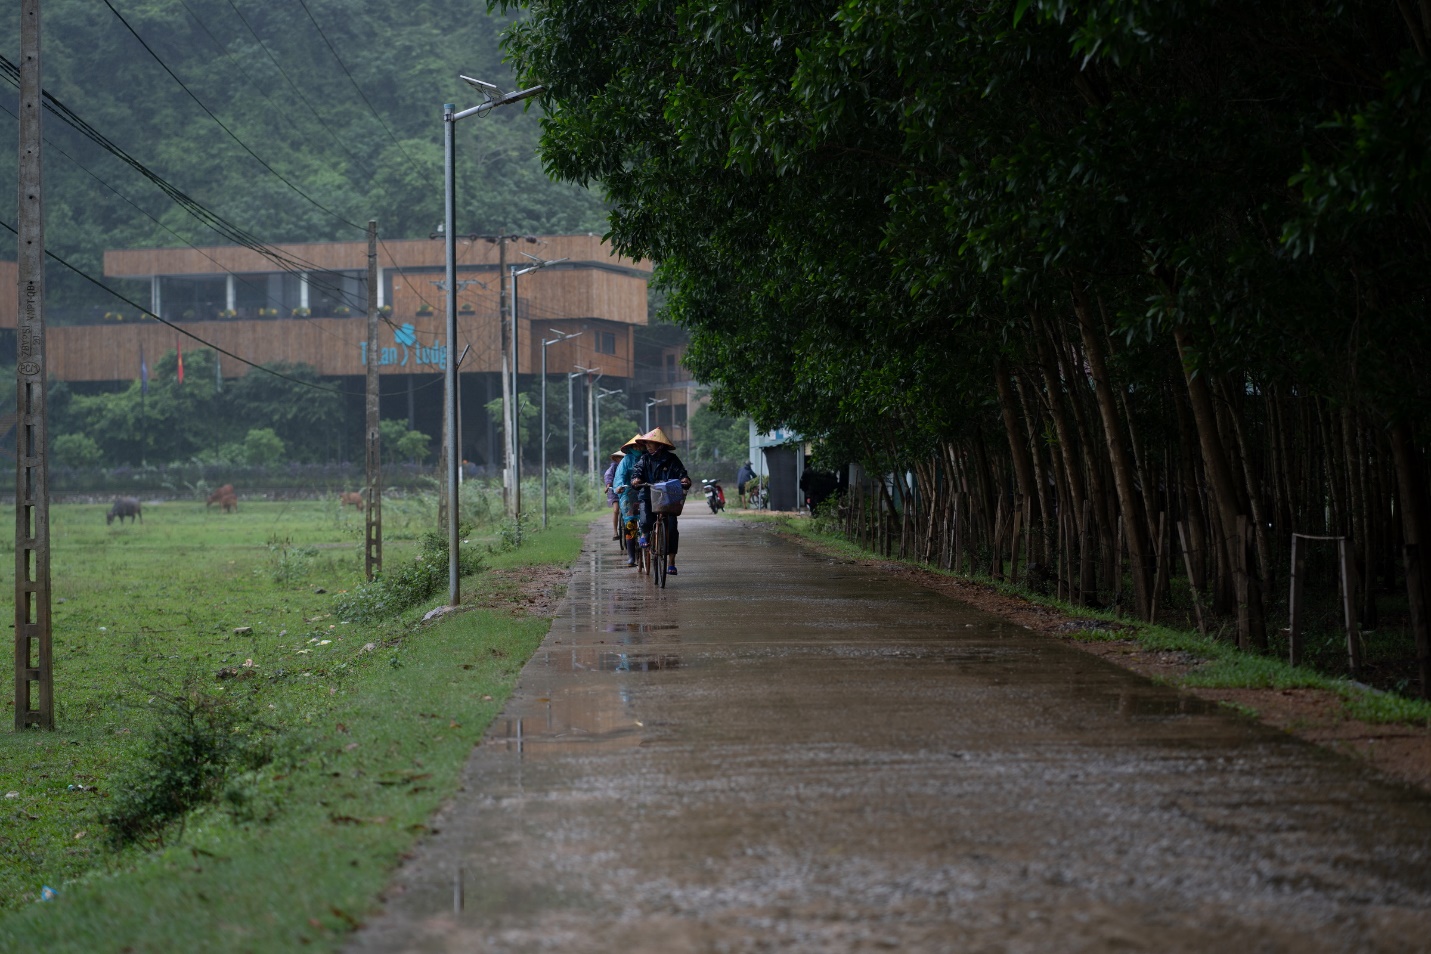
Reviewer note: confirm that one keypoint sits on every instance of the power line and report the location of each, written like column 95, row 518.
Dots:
column 281, row 113
column 145, row 212
column 259, row 159
column 206, row 216
column 296, row 89
column 183, row 331
column 344, row 67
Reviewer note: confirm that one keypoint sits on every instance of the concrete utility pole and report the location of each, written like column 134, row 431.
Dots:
column 373, row 522
column 34, row 669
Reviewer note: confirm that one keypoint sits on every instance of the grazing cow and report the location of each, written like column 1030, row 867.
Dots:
column 125, row 507
column 353, row 498
column 229, row 502
column 217, row 497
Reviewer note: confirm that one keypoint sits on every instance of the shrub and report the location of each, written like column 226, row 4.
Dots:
column 262, row 447
column 200, row 740
column 77, row 450
column 410, row 583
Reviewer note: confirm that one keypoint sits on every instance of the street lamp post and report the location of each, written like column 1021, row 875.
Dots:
column 601, row 393
column 650, row 403
column 546, row 343
column 493, row 97
column 571, row 441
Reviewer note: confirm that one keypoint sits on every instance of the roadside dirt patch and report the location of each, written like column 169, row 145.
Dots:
column 522, row 591
column 1400, row 751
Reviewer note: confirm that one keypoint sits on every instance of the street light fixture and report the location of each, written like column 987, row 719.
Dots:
column 590, row 409
column 546, row 343
column 650, row 403
column 450, row 116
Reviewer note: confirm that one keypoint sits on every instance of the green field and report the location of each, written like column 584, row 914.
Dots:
column 363, row 727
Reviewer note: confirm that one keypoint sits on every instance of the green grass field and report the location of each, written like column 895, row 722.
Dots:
column 368, row 725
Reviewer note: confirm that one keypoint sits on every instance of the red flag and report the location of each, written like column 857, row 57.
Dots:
column 180, row 348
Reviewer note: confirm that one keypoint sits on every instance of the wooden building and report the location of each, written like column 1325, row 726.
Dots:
column 310, row 306
column 242, row 301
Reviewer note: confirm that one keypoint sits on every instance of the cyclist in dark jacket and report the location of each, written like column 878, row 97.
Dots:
column 657, row 464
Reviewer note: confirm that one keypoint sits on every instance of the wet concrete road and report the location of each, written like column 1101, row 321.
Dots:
column 782, row 752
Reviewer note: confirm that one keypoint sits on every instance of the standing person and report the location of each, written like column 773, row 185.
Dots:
column 657, row 464
column 612, row 500
column 742, row 477
column 628, row 497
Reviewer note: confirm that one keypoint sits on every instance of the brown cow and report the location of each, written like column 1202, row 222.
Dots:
column 351, row 498
column 217, row 497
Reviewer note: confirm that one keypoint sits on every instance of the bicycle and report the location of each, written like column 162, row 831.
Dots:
column 659, row 545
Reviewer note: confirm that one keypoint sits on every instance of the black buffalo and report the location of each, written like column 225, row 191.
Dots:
column 125, row 507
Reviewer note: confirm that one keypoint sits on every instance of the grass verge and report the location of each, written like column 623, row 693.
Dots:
column 369, row 725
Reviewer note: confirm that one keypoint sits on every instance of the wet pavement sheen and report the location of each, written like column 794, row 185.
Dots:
column 786, row 752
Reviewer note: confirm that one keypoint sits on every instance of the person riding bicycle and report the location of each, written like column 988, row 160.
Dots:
column 657, row 464
column 612, row 500
column 629, row 498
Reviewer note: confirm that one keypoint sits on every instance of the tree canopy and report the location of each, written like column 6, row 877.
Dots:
column 1163, row 253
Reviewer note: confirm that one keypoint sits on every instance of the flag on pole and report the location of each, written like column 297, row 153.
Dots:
column 143, row 371
column 178, row 346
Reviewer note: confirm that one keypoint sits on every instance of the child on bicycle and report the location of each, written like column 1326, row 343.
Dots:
column 628, row 497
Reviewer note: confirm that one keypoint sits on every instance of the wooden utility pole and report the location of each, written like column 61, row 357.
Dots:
column 373, row 525
column 34, row 672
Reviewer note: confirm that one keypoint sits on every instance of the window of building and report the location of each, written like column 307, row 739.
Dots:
column 192, row 299
column 606, row 342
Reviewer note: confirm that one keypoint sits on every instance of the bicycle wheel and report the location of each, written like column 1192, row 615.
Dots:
column 658, row 552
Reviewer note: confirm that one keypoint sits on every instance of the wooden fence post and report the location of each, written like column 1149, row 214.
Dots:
column 1349, row 606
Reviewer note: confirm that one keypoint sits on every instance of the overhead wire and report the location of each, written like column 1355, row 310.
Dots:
column 183, row 331
column 234, row 233
column 332, row 49
column 281, row 113
column 232, row 135
column 203, row 341
column 284, row 73
column 145, row 212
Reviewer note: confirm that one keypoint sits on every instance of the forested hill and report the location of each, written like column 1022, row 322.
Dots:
column 340, row 98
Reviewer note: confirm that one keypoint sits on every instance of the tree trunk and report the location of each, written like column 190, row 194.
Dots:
column 1134, row 522
column 1251, row 631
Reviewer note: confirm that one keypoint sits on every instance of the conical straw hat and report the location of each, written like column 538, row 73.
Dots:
column 631, row 443
column 657, row 436
column 618, row 455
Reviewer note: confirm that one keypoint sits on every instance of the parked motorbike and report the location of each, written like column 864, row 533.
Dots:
column 715, row 496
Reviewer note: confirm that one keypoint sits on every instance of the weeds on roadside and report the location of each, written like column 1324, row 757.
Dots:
column 290, row 564
column 409, row 583
column 200, row 740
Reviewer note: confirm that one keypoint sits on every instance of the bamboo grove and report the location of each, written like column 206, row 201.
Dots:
column 1139, row 285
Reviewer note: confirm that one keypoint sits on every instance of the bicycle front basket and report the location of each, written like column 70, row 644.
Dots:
column 667, row 496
